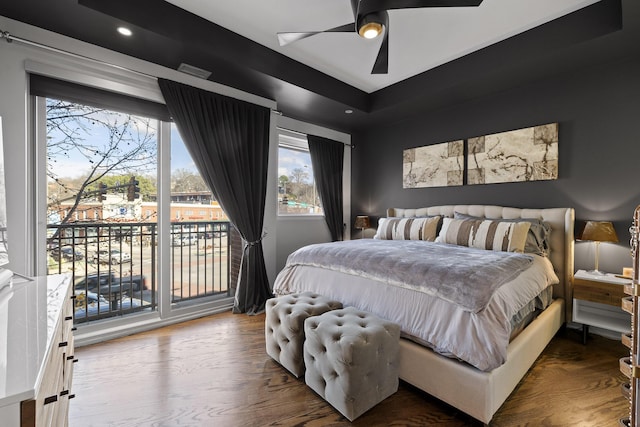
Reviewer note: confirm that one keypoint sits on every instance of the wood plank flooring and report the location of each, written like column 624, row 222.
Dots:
column 214, row 372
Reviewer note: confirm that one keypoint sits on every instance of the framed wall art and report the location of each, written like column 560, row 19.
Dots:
column 527, row 154
column 439, row 165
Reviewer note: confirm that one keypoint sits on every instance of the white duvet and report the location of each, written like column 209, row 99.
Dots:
column 480, row 339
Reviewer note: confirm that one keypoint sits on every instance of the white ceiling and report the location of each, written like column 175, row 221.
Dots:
column 419, row 39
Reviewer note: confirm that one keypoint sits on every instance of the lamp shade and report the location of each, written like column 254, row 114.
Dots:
column 362, row 221
column 599, row 231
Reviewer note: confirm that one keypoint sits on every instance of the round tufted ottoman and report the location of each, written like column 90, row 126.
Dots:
column 352, row 359
column 284, row 326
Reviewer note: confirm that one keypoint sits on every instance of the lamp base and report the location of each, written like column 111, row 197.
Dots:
column 597, row 273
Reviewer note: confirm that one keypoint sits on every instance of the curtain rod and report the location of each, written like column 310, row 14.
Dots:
column 305, row 135
column 11, row 38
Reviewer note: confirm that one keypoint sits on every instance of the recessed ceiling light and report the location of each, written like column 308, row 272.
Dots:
column 125, row 31
column 348, row 111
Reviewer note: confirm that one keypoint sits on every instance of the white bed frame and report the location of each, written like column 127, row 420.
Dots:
column 477, row 393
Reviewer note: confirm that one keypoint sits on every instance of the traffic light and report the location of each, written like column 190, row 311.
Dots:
column 102, row 189
column 133, row 191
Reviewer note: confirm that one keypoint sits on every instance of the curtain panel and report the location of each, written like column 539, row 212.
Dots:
column 327, row 159
column 228, row 140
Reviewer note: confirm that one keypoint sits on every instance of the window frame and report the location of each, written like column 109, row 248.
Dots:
column 295, row 141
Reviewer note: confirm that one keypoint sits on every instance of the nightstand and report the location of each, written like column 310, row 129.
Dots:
column 597, row 301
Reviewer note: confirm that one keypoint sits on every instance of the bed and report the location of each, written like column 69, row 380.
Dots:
column 477, row 390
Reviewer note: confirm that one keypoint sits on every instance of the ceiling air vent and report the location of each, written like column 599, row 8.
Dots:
column 194, row 71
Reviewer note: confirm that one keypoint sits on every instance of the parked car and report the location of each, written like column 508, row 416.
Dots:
column 214, row 234
column 66, row 253
column 91, row 304
column 113, row 256
column 185, row 240
column 108, row 282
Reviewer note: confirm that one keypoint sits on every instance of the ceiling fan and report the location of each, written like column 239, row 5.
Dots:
column 371, row 18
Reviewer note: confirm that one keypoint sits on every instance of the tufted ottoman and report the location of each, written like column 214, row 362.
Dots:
column 352, row 359
column 284, row 326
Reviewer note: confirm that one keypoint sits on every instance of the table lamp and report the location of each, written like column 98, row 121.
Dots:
column 362, row 222
column 598, row 232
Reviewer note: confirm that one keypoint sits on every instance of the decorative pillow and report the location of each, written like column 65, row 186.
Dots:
column 495, row 235
column 408, row 228
column 537, row 238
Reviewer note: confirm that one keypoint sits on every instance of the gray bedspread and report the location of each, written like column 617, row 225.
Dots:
column 467, row 277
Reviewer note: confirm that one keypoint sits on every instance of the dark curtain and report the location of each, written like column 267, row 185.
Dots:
column 327, row 159
column 228, row 140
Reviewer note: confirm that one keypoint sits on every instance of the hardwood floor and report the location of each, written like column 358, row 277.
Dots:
column 214, row 371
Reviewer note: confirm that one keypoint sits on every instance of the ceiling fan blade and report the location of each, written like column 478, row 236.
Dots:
column 409, row 4
column 381, row 66
column 366, row 7
column 346, row 28
column 286, row 38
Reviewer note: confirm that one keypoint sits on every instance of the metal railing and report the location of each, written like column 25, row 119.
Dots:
column 114, row 265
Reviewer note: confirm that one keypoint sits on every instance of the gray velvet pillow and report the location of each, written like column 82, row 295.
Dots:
column 537, row 239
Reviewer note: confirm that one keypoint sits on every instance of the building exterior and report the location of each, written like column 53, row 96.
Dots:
column 185, row 207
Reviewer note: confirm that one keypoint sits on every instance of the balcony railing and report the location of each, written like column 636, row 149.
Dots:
column 114, row 266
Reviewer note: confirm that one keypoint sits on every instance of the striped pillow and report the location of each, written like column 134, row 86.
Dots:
column 408, row 228
column 507, row 236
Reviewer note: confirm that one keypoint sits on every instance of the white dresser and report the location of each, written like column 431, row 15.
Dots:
column 36, row 351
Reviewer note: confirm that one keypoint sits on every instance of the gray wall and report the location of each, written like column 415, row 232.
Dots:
column 598, row 111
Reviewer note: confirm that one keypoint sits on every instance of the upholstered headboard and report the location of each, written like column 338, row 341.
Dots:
column 561, row 241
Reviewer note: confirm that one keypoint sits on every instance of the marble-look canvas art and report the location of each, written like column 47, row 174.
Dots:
column 438, row 165
column 529, row 154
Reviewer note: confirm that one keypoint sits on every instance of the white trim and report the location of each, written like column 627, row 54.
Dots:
column 163, row 205
column 38, row 117
column 294, row 125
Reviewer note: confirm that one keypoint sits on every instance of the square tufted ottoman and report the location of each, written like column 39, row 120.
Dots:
column 284, row 326
column 352, row 359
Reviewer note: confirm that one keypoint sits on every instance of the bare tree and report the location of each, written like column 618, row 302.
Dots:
column 106, row 142
column 299, row 175
column 184, row 180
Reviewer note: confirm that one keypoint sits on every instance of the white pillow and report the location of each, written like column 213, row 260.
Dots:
column 496, row 235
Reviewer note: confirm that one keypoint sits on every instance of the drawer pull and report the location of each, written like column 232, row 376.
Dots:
column 70, row 357
column 73, row 297
column 626, row 367
column 63, row 344
column 68, row 318
column 626, row 340
column 50, row 399
column 64, row 392
column 75, row 360
column 74, row 329
column 71, row 396
column 626, row 390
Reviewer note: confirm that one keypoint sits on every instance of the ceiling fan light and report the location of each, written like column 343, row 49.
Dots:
column 370, row 30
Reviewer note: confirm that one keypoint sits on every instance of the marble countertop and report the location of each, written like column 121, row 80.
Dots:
column 29, row 312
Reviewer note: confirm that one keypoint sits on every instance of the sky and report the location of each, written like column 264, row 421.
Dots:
column 288, row 160
column 75, row 165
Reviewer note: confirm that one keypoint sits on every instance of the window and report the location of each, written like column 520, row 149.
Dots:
column 297, row 193
column 103, row 182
